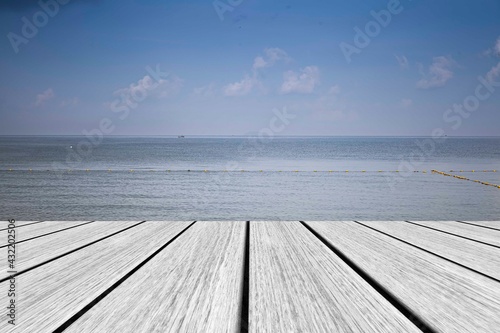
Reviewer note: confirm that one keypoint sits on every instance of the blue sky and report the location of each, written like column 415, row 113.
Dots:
column 228, row 67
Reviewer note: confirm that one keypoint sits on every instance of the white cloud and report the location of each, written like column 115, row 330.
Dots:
column 144, row 84
column 240, row 88
column 271, row 56
column 402, row 61
column 147, row 86
column 303, row 82
column 406, row 102
column 495, row 50
column 246, row 85
column 259, row 62
column 170, row 87
column 205, row 91
column 438, row 74
column 493, row 73
column 275, row 54
column 44, row 97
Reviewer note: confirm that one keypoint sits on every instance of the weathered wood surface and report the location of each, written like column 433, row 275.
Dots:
column 51, row 294
column 18, row 224
column 38, row 229
column 297, row 284
column 480, row 257
column 465, row 230
column 38, row 250
column 193, row 285
column 448, row 297
column 489, row 224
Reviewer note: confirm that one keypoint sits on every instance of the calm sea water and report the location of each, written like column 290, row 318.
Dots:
column 147, row 178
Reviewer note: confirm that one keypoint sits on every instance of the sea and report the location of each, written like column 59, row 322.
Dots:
column 249, row 178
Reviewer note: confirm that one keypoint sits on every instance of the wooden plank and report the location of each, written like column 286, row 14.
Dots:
column 477, row 256
column 38, row 229
column 465, row 230
column 297, row 284
column 448, row 297
column 51, row 294
column 20, row 224
column 490, row 224
column 193, row 285
column 31, row 253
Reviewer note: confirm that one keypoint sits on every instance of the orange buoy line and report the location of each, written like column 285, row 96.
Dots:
column 467, row 179
column 473, row 170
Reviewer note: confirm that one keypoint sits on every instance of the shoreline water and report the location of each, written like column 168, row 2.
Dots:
column 309, row 178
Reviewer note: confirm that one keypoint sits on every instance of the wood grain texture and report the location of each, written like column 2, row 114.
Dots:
column 297, row 284
column 18, row 224
column 490, row 224
column 50, row 294
column 44, row 248
column 37, row 229
column 466, row 230
column 448, row 297
column 193, row 285
column 480, row 257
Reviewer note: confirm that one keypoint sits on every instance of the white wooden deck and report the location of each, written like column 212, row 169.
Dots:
column 257, row 276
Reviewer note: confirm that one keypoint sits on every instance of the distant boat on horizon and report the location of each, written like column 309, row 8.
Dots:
column 181, row 136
